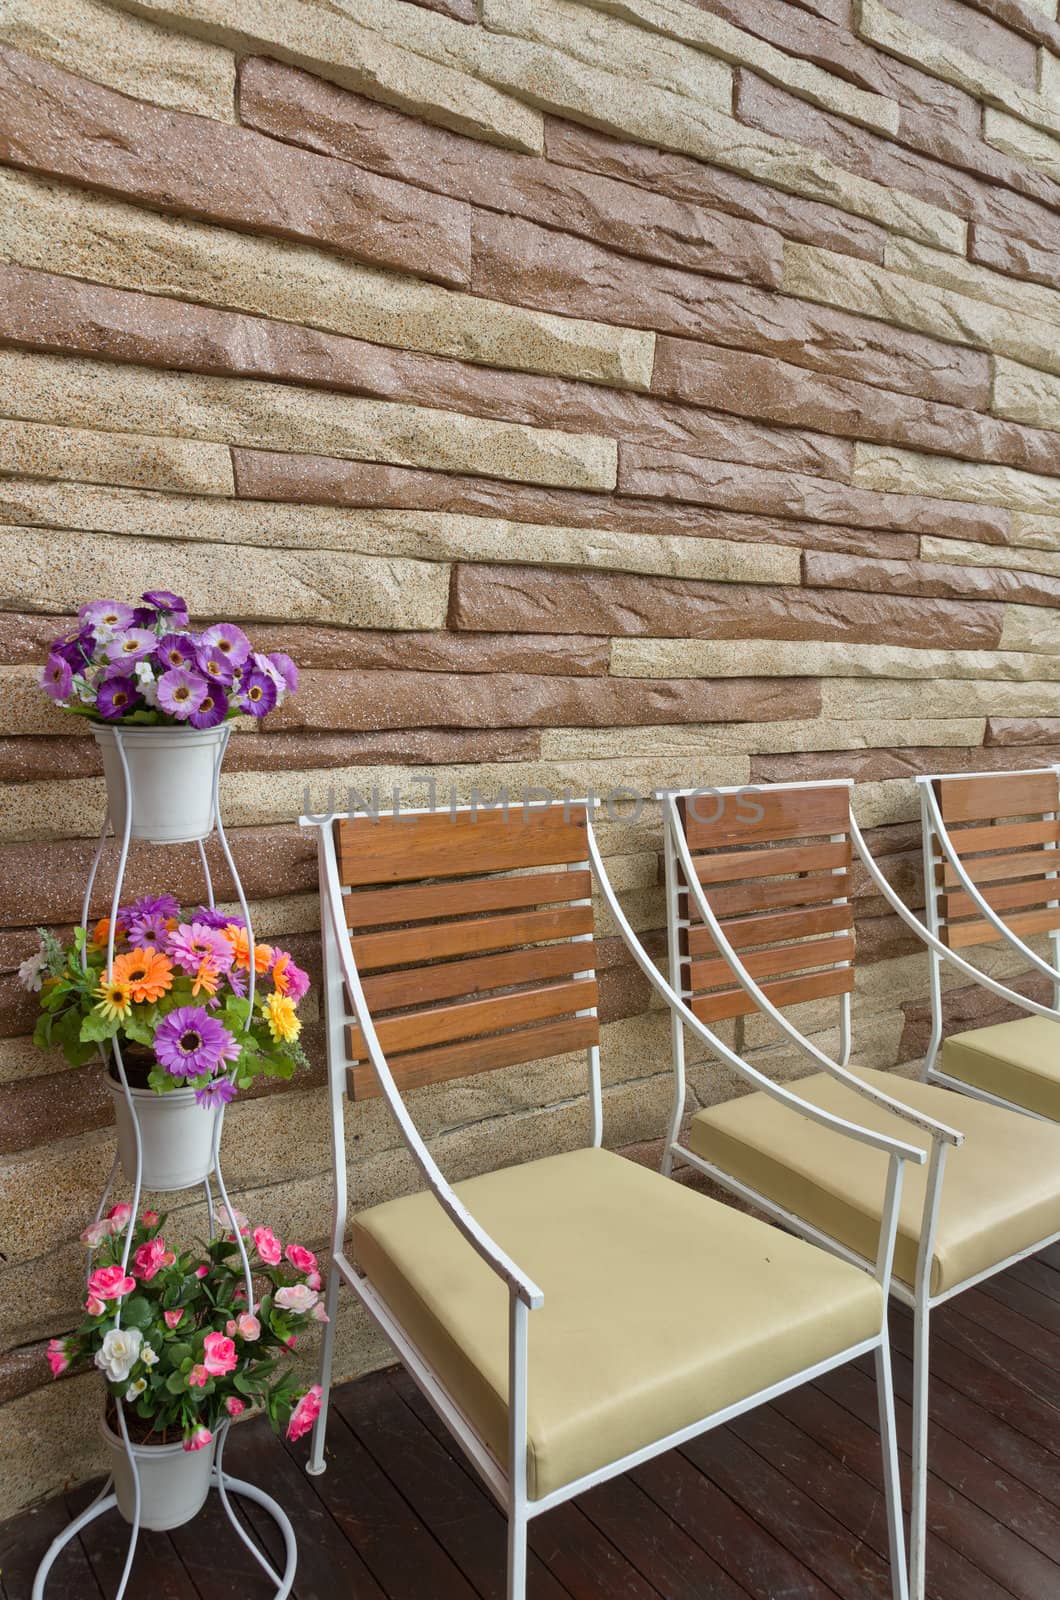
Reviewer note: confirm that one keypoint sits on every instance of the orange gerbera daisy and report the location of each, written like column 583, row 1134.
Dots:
column 206, row 978
column 148, row 973
column 100, row 934
column 240, row 942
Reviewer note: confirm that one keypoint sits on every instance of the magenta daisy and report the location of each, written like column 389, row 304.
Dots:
column 193, row 943
column 145, row 920
column 190, row 1042
column 286, row 668
column 131, row 645
column 180, row 692
column 56, row 679
column 164, row 600
column 219, row 1092
column 210, row 917
column 227, row 637
column 176, row 650
column 214, row 708
column 117, row 697
column 75, row 648
column 257, row 694
column 107, row 614
column 214, row 663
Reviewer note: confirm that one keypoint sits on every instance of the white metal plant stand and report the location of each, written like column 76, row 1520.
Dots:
column 223, row 1482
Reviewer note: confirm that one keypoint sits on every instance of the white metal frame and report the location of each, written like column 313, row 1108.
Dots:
column 507, row 1479
column 918, row 1297
column 935, row 832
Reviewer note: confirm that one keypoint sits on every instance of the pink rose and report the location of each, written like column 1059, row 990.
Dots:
column 58, row 1359
column 95, row 1234
column 291, row 1342
column 268, row 1246
column 240, row 1222
column 198, row 1378
column 118, row 1217
column 301, row 1259
column 219, row 1355
column 94, row 1307
column 319, row 1314
column 110, row 1283
column 305, row 1413
column 231, row 1327
column 198, row 1438
column 234, row 1406
column 172, row 1318
column 298, row 1297
column 150, row 1219
column 249, row 1326
column 200, row 1272
column 152, row 1257
column 313, row 1280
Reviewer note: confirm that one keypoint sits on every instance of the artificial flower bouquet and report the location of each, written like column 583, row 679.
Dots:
column 190, row 1353
column 178, row 993
column 145, row 665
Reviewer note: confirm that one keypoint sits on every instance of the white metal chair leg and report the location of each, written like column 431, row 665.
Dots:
column 316, row 1463
column 918, row 1498
column 892, row 1484
column 517, row 1525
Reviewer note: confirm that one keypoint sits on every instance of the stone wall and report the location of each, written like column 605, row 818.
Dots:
column 584, row 392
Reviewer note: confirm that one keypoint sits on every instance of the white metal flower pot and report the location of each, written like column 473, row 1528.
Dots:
column 176, row 1136
column 174, row 1482
column 171, row 778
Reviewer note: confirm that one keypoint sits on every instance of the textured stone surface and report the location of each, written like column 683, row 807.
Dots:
column 35, row 450
column 826, row 733
column 139, row 400
column 51, row 227
column 942, row 579
column 1026, row 395
column 702, row 658
column 1029, row 628
column 305, row 110
column 1033, row 529
column 126, row 53
column 575, row 656
column 1019, row 139
column 942, row 268
column 860, row 286
column 957, row 551
column 59, row 125
column 535, row 600
column 1021, row 257
column 1021, row 731
column 904, row 472
column 876, row 698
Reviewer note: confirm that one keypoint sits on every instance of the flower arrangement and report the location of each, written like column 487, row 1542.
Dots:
column 138, row 665
column 190, row 1353
column 179, row 990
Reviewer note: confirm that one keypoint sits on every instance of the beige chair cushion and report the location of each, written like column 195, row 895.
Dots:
column 1000, row 1191
column 1018, row 1061
column 661, row 1306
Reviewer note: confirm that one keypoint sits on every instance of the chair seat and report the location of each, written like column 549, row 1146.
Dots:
column 1000, row 1189
column 1017, row 1061
column 661, row 1308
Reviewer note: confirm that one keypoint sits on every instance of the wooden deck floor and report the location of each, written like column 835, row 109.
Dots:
column 784, row 1505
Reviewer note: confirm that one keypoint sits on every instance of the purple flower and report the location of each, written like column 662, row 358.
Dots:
column 144, row 617
column 176, row 650
column 75, row 648
column 237, row 982
column 56, row 678
column 257, row 694
column 145, row 919
column 193, row 943
column 117, row 697
column 227, row 637
column 190, row 1042
column 286, row 668
column 214, row 663
column 214, row 708
column 164, row 600
column 181, row 693
column 131, row 645
column 211, row 918
column 219, row 1092
column 106, row 614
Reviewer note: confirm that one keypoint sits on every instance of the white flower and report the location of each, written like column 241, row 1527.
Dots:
column 299, row 1297
column 135, row 1390
column 147, row 1356
column 145, row 680
column 29, row 973
column 85, row 691
column 118, row 1356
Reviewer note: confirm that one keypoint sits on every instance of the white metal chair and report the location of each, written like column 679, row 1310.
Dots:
column 576, row 1314
column 991, row 859
column 758, row 888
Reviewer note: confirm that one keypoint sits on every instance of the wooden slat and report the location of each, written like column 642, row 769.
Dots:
column 991, row 869
column 784, row 992
column 1003, row 836
column 418, row 1030
column 737, row 865
column 801, row 957
column 478, row 1055
column 772, row 928
column 420, row 985
column 769, row 894
column 986, row 796
column 421, row 902
column 959, row 934
column 437, row 940
column 437, row 844
column 760, row 814
column 1032, row 892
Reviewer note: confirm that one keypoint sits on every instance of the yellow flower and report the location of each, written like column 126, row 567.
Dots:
column 115, row 999
column 281, row 1017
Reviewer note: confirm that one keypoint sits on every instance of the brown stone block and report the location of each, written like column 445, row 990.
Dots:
column 55, row 123
column 685, row 179
column 883, row 937
column 939, row 580
column 437, row 652
column 540, row 600
column 469, row 700
column 304, row 110
column 974, row 1007
column 1018, row 258
column 667, row 475
column 54, row 313
column 1007, row 731
column 328, row 480
column 985, row 38
column 431, row 746
column 18, row 1009
column 24, row 640
column 55, row 1106
column 516, row 261
column 778, row 391
column 32, row 760
column 878, row 766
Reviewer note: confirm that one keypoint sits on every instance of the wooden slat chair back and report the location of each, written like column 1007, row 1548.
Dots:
column 1005, row 828
column 775, row 867
column 473, row 934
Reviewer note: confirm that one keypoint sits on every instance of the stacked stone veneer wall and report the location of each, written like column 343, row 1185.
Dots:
column 619, row 392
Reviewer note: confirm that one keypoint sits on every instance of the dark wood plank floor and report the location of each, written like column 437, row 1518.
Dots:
column 783, row 1505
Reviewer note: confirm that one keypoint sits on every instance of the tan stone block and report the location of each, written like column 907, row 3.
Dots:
column 896, row 471
column 843, row 698
column 26, row 709
column 126, row 53
column 738, row 658
column 861, row 286
column 324, row 41
column 244, row 411
column 20, row 1058
column 365, row 591
column 876, row 1037
column 692, row 742
column 1024, row 394
column 946, row 271
column 1022, row 141
column 49, row 1439
column 1032, row 530
column 1029, row 628
column 960, row 553
column 91, row 456
column 741, row 49
column 56, row 228
column 428, row 535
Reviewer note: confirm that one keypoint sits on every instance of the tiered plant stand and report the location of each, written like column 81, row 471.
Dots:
column 163, row 785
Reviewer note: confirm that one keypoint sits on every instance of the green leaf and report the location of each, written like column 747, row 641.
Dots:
column 177, row 1382
column 176, row 1354
column 96, row 1026
column 137, row 1312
